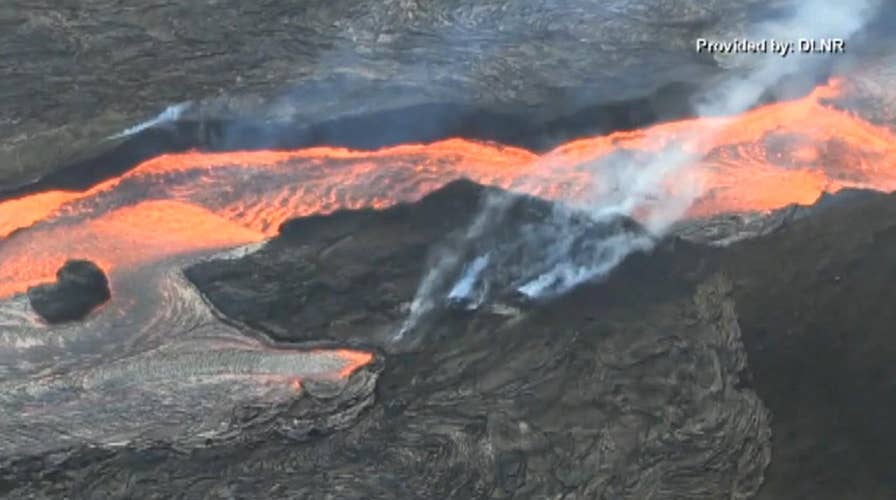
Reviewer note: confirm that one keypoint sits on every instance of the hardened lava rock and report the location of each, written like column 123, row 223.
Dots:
column 589, row 395
column 109, row 67
column 651, row 384
column 80, row 287
column 582, row 399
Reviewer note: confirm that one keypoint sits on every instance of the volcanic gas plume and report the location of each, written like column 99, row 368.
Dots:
column 772, row 156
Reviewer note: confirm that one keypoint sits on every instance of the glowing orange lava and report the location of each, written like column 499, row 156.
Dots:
column 775, row 155
column 347, row 362
column 122, row 238
column 353, row 360
column 296, row 385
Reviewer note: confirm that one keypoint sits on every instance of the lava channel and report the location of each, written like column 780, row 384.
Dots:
column 767, row 158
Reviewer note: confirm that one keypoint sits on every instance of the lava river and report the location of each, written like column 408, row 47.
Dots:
column 156, row 361
column 772, row 156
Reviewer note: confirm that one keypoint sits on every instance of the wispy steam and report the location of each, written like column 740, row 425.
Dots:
column 567, row 274
column 586, row 241
column 465, row 289
column 168, row 115
column 811, row 19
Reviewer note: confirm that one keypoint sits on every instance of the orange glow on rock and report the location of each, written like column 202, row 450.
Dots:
column 353, row 360
column 296, row 385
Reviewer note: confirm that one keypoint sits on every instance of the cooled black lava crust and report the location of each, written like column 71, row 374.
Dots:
column 421, row 123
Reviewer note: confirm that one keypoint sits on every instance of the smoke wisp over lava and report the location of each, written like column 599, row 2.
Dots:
column 657, row 188
column 195, row 203
column 256, row 294
column 766, row 158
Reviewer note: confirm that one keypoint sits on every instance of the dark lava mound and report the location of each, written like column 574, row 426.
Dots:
column 351, row 276
column 80, row 287
column 575, row 395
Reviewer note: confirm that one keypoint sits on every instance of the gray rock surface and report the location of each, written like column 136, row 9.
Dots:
column 72, row 74
column 614, row 388
column 633, row 404
column 575, row 398
column 633, row 390
column 813, row 296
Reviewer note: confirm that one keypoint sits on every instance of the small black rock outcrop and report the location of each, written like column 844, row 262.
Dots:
column 80, row 287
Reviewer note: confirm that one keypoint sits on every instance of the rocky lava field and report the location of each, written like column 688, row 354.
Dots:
column 758, row 370
column 445, row 249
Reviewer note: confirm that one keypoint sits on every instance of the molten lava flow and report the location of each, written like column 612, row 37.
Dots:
column 353, row 360
column 122, row 238
column 775, row 155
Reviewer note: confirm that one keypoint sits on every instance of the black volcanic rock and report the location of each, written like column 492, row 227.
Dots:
column 574, row 394
column 724, row 229
column 80, row 287
column 815, row 300
column 582, row 398
column 813, row 290
column 325, row 274
column 106, row 66
column 644, row 385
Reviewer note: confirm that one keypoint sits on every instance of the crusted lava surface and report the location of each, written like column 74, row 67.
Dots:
column 691, row 371
column 352, row 273
column 277, row 60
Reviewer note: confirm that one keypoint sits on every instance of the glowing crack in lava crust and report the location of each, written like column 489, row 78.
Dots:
column 767, row 158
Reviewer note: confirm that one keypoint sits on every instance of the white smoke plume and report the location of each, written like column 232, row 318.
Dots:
column 656, row 190
column 447, row 260
column 609, row 252
column 465, row 288
column 168, row 115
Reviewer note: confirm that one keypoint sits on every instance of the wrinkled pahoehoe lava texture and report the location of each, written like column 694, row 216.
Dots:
column 822, row 370
column 567, row 400
column 627, row 405
column 73, row 74
column 549, row 397
column 581, row 397
column 637, row 387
